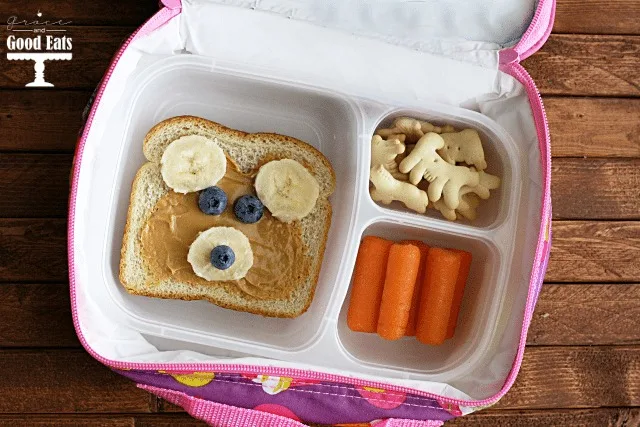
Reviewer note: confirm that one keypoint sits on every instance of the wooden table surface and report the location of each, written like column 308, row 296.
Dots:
column 582, row 363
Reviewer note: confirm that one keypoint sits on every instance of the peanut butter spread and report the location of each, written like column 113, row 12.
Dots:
column 280, row 260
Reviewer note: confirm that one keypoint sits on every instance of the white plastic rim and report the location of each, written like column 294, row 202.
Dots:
column 340, row 127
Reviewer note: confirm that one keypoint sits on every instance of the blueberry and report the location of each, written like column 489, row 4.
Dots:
column 222, row 257
column 212, row 201
column 248, row 209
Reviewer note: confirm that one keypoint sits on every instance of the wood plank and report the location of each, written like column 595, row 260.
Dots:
column 41, row 120
column 587, row 65
column 566, row 65
column 594, row 127
column 168, row 420
column 590, row 251
column 93, row 49
column 164, row 406
column 25, row 420
column 82, row 12
column 551, row 377
column 595, row 188
column 597, row 17
column 580, row 314
column 582, row 251
column 572, row 16
column 64, row 381
column 614, row 186
column 36, row 315
column 555, row 417
column 576, row 377
column 22, row 184
column 33, row 250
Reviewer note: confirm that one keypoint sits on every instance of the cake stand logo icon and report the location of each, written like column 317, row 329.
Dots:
column 38, row 40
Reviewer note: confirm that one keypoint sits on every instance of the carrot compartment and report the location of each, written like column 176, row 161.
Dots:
column 463, row 274
column 437, row 296
column 368, row 283
column 415, row 300
column 400, row 280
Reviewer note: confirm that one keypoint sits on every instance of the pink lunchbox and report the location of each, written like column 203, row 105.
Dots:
column 329, row 73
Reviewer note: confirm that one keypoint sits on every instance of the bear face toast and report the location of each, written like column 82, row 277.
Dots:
column 248, row 229
column 384, row 152
column 445, row 179
column 464, row 146
column 387, row 189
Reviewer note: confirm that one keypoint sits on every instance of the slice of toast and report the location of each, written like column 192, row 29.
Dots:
column 248, row 151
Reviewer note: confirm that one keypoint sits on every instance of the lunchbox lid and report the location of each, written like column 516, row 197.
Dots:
column 455, row 28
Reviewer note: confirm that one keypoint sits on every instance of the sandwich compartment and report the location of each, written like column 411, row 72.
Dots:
column 341, row 127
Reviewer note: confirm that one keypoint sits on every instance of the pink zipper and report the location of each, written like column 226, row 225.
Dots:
column 539, row 29
column 542, row 127
column 509, row 65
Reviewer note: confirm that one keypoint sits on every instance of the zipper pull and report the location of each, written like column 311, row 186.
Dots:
column 508, row 56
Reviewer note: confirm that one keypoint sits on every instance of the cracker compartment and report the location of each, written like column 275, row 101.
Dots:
column 500, row 155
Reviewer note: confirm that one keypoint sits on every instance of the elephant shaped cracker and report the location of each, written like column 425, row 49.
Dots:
column 466, row 208
column 486, row 182
column 387, row 189
column 384, row 152
column 428, row 127
column 413, row 129
column 441, row 206
column 464, row 146
column 399, row 136
column 468, row 205
column 446, row 129
column 444, row 179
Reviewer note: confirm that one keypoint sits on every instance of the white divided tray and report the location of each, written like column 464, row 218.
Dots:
column 341, row 127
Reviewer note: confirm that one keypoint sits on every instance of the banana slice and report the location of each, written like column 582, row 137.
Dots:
column 200, row 253
column 287, row 189
column 192, row 163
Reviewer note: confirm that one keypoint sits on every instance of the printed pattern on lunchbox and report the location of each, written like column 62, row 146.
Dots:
column 314, row 401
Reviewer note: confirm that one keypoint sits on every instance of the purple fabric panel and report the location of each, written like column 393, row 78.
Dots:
column 323, row 403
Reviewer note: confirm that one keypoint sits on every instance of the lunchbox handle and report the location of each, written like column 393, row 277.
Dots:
column 221, row 415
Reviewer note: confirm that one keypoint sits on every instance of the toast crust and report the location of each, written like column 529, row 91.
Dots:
column 166, row 289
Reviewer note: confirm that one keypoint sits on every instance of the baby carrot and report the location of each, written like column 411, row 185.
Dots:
column 402, row 270
column 437, row 295
column 368, row 283
column 465, row 265
column 415, row 300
